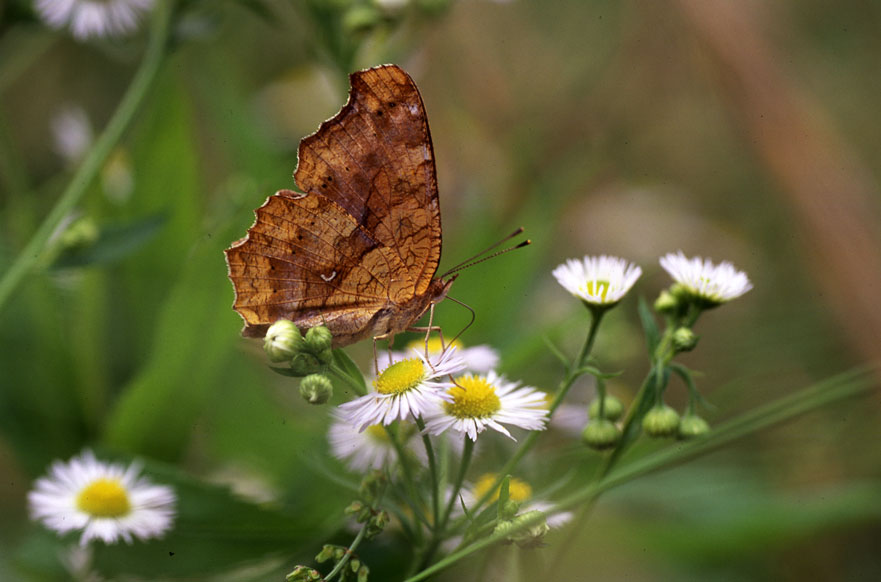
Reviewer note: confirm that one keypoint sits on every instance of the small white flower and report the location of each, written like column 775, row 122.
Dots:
column 477, row 402
column 72, row 133
column 602, row 280
column 93, row 18
column 478, row 359
column 370, row 448
column 106, row 501
column 406, row 389
column 521, row 492
column 715, row 284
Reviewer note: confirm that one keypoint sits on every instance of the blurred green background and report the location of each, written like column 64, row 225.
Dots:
column 741, row 131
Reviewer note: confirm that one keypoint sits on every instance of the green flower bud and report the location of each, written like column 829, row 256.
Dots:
column 666, row 302
column 316, row 388
column 354, row 565
column 283, row 341
column 303, row 364
column 303, row 574
column 691, row 426
column 601, row 434
column 612, row 408
column 326, row 553
column 661, row 421
column 684, row 340
column 504, row 527
column 318, row 339
column 681, row 293
column 81, row 233
column 509, row 509
column 360, row 18
column 363, row 572
column 531, row 536
column 372, row 486
column 325, row 356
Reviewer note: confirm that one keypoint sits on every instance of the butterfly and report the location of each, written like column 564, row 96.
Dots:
column 358, row 249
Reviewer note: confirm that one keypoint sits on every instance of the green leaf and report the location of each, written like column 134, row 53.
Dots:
column 649, row 326
column 114, row 242
column 557, row 352
column 346, row 365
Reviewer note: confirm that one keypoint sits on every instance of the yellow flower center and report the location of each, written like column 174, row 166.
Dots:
column 104, row 498
column 377, row 432
column 473, row 397
column 518, row 490
column 597, row 288
column 434, row 345
column 400, row 377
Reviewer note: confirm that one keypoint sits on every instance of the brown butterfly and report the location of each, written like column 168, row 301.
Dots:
column 358, row 250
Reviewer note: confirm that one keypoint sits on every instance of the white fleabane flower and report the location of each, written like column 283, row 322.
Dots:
column 72, row 133
column 714, row 284
column 599, row 281
column 106, row 501
column 477, row 402
column 370, row 448
column 521, row 492
column 478, row 359
column 406, row 389
column 88, row 19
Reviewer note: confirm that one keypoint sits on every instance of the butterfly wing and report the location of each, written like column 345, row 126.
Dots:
column 375, row 159
column 306, row 259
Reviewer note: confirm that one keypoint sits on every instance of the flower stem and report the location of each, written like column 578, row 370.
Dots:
column 36, row 248
column 573, row 373
column 838, row 388
column 432, row 469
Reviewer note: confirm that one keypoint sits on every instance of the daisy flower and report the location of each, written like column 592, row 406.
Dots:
column 404, row 389
column 479, row 359
column 521, row 492
column 93, row 18
column 598, row 281
column 105, row 501
column 714, row 284
column 477, row 402
column 370, row 448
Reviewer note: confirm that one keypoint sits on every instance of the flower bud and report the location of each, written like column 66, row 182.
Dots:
column 316, row 388
column 692, row 425
column 532, row 535
column 612, row 408
column 666, row 302
column 601, row 434
column 684, row 340
column 326, row 553
column 303, row 574
column 363, row 572
column 660, row 421
column 509, row 509
column 283, row 340
column 304, row 364
column 318, row 339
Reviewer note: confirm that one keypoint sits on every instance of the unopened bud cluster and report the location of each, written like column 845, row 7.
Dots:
column 602, row 433
column 376, row 519
column 307, row 356
column 353, row 570
column 304, row 574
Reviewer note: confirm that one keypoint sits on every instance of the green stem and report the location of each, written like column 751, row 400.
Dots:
column 30, row 256
column 408, row 478
column 835, row 389
column 356, row 386
column 347, row 556
column 432, row 469
column 572, row 374
column 457, row 486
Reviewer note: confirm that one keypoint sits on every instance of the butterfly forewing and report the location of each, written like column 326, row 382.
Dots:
column 375, row 159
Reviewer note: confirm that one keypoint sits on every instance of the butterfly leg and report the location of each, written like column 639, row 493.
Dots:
column 391, row 341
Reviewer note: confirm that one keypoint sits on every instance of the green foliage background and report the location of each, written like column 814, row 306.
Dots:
column 601, row 127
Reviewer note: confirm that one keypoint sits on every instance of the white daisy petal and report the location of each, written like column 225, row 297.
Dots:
column 601, row 281
column 478, row 359
column 715, row 284
column 106, row 501
column 478, row 402
column 89, row 19
column 405, row 389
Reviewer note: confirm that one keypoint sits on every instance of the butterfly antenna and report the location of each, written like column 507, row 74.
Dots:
column 474, row 259
column 473, row 262
column 470, row 323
